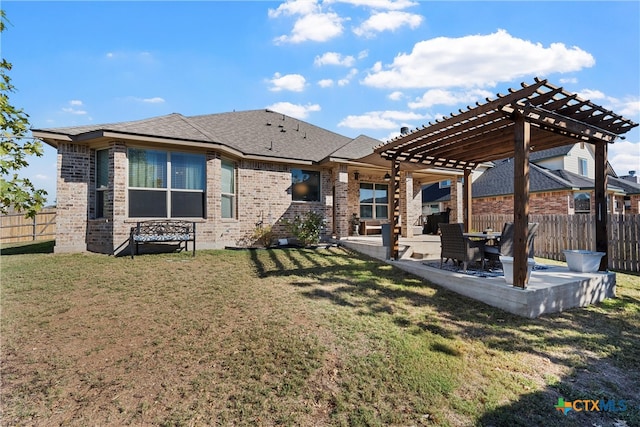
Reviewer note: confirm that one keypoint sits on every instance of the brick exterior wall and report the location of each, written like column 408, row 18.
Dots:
column 263, row 196
column 545, row 203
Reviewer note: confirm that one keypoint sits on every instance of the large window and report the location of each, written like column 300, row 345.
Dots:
column 165, row 184
column 582, row 202
column 305, row 185
column 228, row 190
column 102, row 182
column 374, row 201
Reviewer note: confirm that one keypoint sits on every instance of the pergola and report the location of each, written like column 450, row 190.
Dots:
column 536, row 117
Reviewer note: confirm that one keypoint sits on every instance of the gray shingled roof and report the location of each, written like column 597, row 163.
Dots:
column 627, row 186
column 498, row 181
column 550, row 153
column 254, row 132
column 359, row 147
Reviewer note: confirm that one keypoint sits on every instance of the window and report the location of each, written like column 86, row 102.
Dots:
column 166, row 185
column 228, row 191
column 374, row 201
column 305, row 185
column 582, row 202
column 445, row 184
column 102, row 182
column 583, row 167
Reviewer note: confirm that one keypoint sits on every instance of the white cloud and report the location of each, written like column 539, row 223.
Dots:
column 624, row 156
column 591, row 94
column 446, row 97
column 363, row 54
column 295, row 7
column 318, row 27
column 71, row 109
column 378, row 4
column 628, row 107
column 325, row 83
column 41, row 177
column 396, row 96
column 387, row 21
column 154, row 100
column 292, row 82
column 568, row 80
column 294, row 110
column 347, row 79
column 334, row 58
column 477, row 60
column 380, row 120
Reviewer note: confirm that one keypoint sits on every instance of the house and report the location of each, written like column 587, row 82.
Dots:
column 229, row 172
column 561, row 181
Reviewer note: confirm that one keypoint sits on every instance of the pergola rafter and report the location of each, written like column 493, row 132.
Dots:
column 536, row 117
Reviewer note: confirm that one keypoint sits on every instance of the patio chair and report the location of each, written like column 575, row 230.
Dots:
column 458, row 248
column 505, row 246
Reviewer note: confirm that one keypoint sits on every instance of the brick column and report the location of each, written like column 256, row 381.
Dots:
column 72, row 197
column 341, row 200
column 456, row 201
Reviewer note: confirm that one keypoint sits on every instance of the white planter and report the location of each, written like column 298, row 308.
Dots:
column 583, row 261
column 507, row 267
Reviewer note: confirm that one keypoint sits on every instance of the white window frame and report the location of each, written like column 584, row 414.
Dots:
column 575, row 206
column 583, row 166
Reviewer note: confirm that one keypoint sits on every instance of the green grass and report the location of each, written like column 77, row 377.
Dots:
column 293, row 337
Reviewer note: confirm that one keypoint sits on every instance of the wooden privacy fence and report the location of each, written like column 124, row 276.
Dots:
column 559, row 232
column 16, row 227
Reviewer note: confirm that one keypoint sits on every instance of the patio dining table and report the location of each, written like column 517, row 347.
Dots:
column 481, row 235
column 490, row 237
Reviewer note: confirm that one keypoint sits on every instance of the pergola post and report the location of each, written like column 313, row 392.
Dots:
column 522, row 141
column 601, row 213
column 395, row 227
column 467, row 201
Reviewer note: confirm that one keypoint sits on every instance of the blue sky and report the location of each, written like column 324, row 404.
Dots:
column 351, row 66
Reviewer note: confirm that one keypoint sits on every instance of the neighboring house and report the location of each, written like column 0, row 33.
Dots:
column 630, row 184
column 229, row 172
column 561, row 181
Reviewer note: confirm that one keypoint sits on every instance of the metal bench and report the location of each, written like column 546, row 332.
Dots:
column 163, row 231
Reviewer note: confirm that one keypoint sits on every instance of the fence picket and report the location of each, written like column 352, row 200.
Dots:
column 559, row 232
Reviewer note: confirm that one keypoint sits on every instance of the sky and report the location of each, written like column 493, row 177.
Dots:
column 351, row 66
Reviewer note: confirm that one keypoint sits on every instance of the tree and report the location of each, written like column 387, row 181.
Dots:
column 15, row 192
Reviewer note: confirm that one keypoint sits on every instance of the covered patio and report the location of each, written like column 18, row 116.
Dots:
column 536, row 117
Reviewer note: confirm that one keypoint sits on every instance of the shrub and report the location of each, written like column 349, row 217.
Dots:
column 263, row 235
column 306, row 228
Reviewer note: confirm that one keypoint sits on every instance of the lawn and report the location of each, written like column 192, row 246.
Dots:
column 294, row 337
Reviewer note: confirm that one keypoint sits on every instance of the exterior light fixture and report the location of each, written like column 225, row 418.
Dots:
column 387, row 177
column 356, row 175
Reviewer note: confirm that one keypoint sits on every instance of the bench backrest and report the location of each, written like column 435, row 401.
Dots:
column 164, row 227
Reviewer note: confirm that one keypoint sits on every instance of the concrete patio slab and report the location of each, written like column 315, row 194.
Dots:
column 550, row 290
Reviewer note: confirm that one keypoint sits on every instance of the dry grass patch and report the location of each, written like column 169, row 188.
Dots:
column 292, row 337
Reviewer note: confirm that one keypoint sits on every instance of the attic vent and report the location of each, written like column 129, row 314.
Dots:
column 283, row 130
column 268, row 123
column 298, row 127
